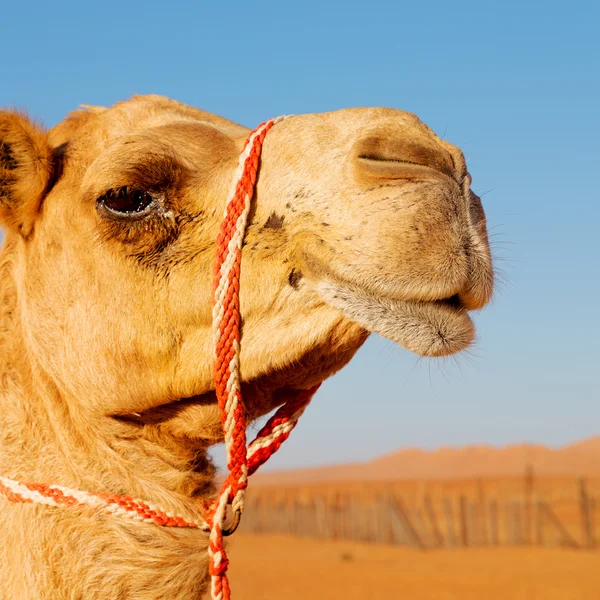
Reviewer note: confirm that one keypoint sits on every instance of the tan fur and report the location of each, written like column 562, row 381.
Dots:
column 363, row 220
column 26, row 168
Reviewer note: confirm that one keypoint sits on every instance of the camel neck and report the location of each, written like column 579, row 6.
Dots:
column 46, row 437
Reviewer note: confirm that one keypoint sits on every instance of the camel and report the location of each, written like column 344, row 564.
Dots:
column 363, row 221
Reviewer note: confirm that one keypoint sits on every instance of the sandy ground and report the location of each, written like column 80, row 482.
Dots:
column 276, row 567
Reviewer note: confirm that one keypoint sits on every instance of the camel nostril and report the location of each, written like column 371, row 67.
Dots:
column 477, row 214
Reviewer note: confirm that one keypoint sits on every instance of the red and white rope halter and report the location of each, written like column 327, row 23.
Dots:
column 242, row 460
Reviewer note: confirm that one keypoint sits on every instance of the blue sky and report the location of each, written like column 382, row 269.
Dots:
column 514, row 84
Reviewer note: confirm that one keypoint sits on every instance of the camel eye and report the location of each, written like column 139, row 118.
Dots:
column 127, row 201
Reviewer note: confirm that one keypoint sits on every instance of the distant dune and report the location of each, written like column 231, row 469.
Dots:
column 581, row 458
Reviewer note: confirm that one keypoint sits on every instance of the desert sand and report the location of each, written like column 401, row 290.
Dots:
column 277, row 567
column 266, row 566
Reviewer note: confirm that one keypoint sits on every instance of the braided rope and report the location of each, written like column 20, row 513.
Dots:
column 115, row 504
column 242, row 460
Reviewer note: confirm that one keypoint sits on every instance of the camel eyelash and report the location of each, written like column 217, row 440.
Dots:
column 138, row 219
column 128, row 202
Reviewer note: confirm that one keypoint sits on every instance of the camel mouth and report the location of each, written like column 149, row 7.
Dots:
column 426, row 327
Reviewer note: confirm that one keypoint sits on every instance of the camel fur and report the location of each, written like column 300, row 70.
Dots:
column 363, row 221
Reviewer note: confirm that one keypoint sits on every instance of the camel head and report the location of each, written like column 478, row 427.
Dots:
column 363, row 221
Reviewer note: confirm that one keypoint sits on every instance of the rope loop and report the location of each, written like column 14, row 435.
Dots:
column 242, row 460
column 237, row 517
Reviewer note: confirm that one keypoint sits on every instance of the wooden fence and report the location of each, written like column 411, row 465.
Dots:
column 450, row 521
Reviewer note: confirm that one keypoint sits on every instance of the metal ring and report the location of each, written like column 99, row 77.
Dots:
column 237, row 517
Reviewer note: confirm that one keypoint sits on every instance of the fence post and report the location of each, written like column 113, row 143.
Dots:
column 449, row 519
column 493, row 521
column 321, row 520
column 588, row 540
column 464, row 530
column 567, row 539
column 402, row 535
column 332, row 525
column 433, row 524
column 518, row 522
column 509, row 523
column 284, row 515
column 385, row 520
column 593, row 515
column 472, row 522
column 481, row 512
column 529, row 483
column 401, row 512
column 539, row 522
column 254, row 512
column 294, row 516
column 355, row 518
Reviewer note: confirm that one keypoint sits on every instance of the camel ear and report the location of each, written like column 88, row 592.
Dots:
column 26, row 169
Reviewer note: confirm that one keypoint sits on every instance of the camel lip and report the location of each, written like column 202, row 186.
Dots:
column 425, row 327
column 448, row 305
column 319, row 273
column 452, row 302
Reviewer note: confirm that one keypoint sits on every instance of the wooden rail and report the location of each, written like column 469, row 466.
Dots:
column 449, row 521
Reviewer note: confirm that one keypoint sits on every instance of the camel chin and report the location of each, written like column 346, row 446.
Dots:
column 434, row 328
